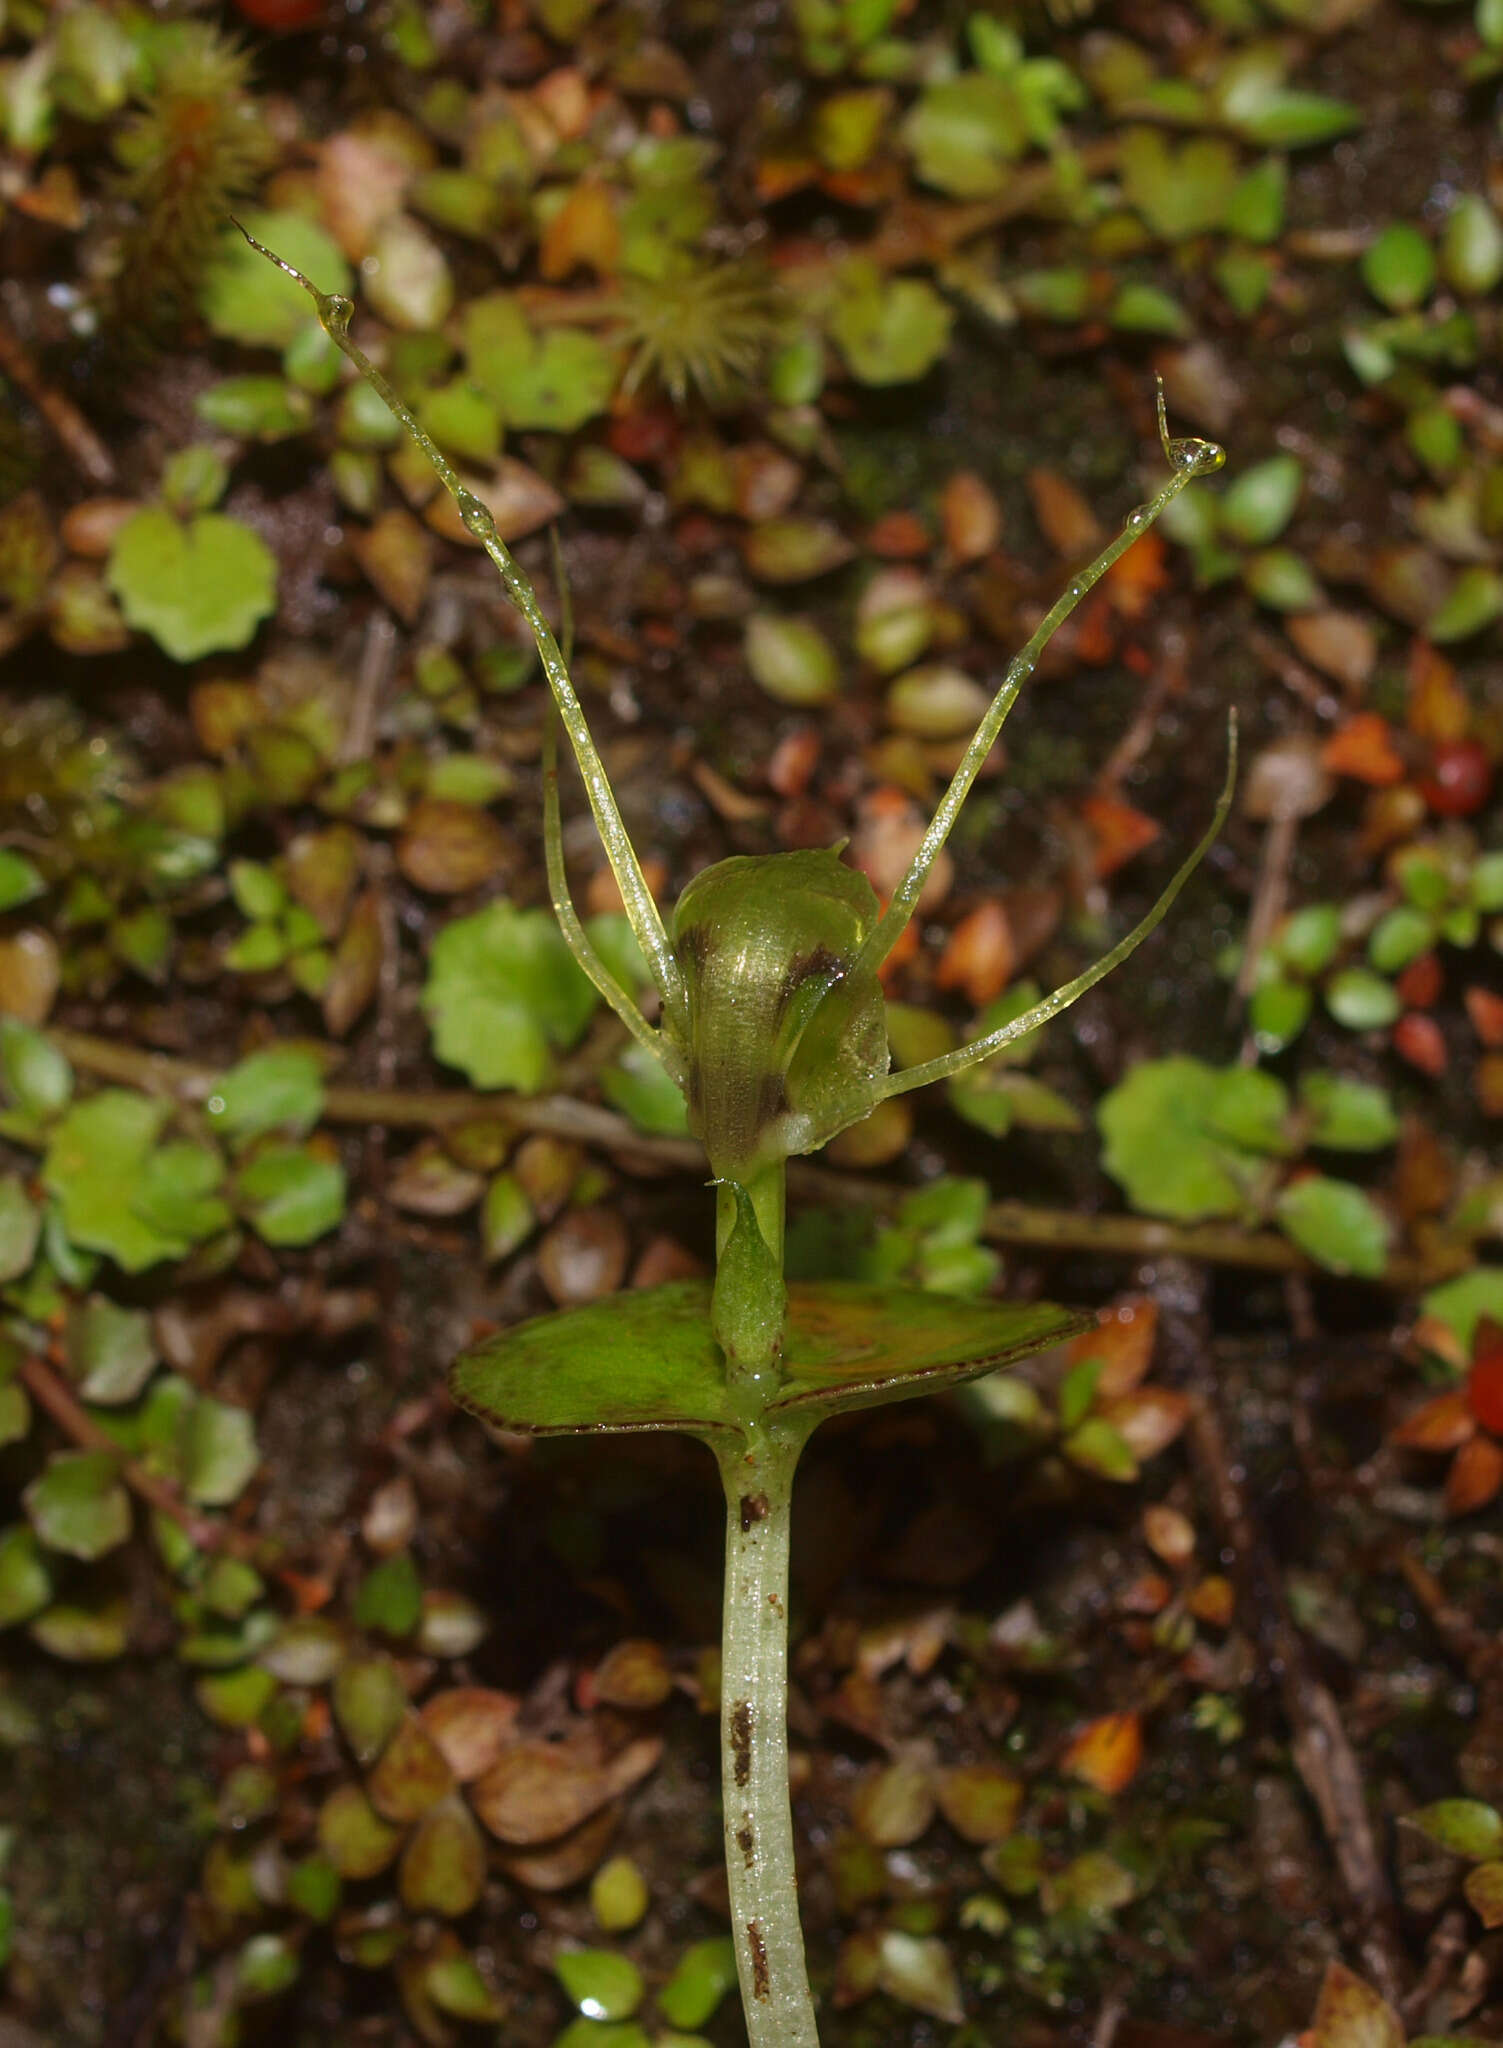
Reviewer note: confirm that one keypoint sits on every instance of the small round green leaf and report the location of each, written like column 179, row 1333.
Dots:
column 603, row 1984
column 77, row 1504
column 1336, row 1225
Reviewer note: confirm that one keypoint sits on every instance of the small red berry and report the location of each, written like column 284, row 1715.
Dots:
column 1460, row 779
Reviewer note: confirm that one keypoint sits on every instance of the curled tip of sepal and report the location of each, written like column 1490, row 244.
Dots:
column 749, row 1308
column 1199, row 458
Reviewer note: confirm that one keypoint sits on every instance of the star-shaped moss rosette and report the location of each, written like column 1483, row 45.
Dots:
column 773, row 1025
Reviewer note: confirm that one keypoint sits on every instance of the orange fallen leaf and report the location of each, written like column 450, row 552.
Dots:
column 1475, row 1476
column 1119, row 832
column 1148, row 1419
column 1486, row 1012
column 1123, row 1341
column 1439, row 708
column 1137, row 577
column 971, row 516
column 1107, row 1753
column 1213, row 1601
column 1363, row 748
column 1068, row 523
column 1442, row 1423
column 980, row 954
column 583, row 234
column 1094, row 636
column 899, row 537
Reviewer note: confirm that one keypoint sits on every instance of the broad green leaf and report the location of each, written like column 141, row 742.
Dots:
column 110, row 1350
column 965, row 133
column 556, row 379
column 220, row 1453
column 1250, row 1108
column 1462, row 1303
column 25, row 1584
column 37, row 1077
column 280, row 1089
column 178, row 1192
column 1259, row 504
column 602, row 1983
column 889, row 330
column 390, row 1597
column 456, row 1987
column 1180, row 190
column 638, row 1086
column 1399, row 268
column 245, row 300
column 94, row 1634
column 20, row 1227
column 1161, row 1145
column 1467, row 1827
column 19, row 880
column 791, row 659
column 198, row 587
column 77, row 1504
column 291, row 1194
column 1347, row 1115
column 702, row 1976
column 1361, row 1000
column 648, row 1361
column 1336, row 1224
column 94, row 1165
column 502, row 988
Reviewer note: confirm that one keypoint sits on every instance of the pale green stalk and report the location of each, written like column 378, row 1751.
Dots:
column 979, row 1049
column 757, row 1473
column 646, row 922
column 1187, row 460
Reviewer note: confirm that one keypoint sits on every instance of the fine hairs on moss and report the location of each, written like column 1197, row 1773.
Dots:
column 705, row 327
column 195, row 145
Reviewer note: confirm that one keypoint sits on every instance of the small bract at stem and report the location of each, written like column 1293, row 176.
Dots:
column 334, row 313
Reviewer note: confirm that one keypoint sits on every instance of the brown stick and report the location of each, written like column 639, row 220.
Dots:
column 561, row 1116
column 79, row 440
column 76, row 1423
column 1323, row 1756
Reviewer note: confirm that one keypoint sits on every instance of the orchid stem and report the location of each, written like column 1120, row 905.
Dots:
column 757, row 1473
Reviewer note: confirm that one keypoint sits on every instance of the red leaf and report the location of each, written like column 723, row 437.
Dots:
column 1442, row 1424
column 1417, row 1038
column 1475, row 1476
column 1118, row 830
column 1484, row 1387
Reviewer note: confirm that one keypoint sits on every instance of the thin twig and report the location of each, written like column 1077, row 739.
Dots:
column 76, row 1423
column 561, row 1116
column 79, row 440
column 1323, row 1755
